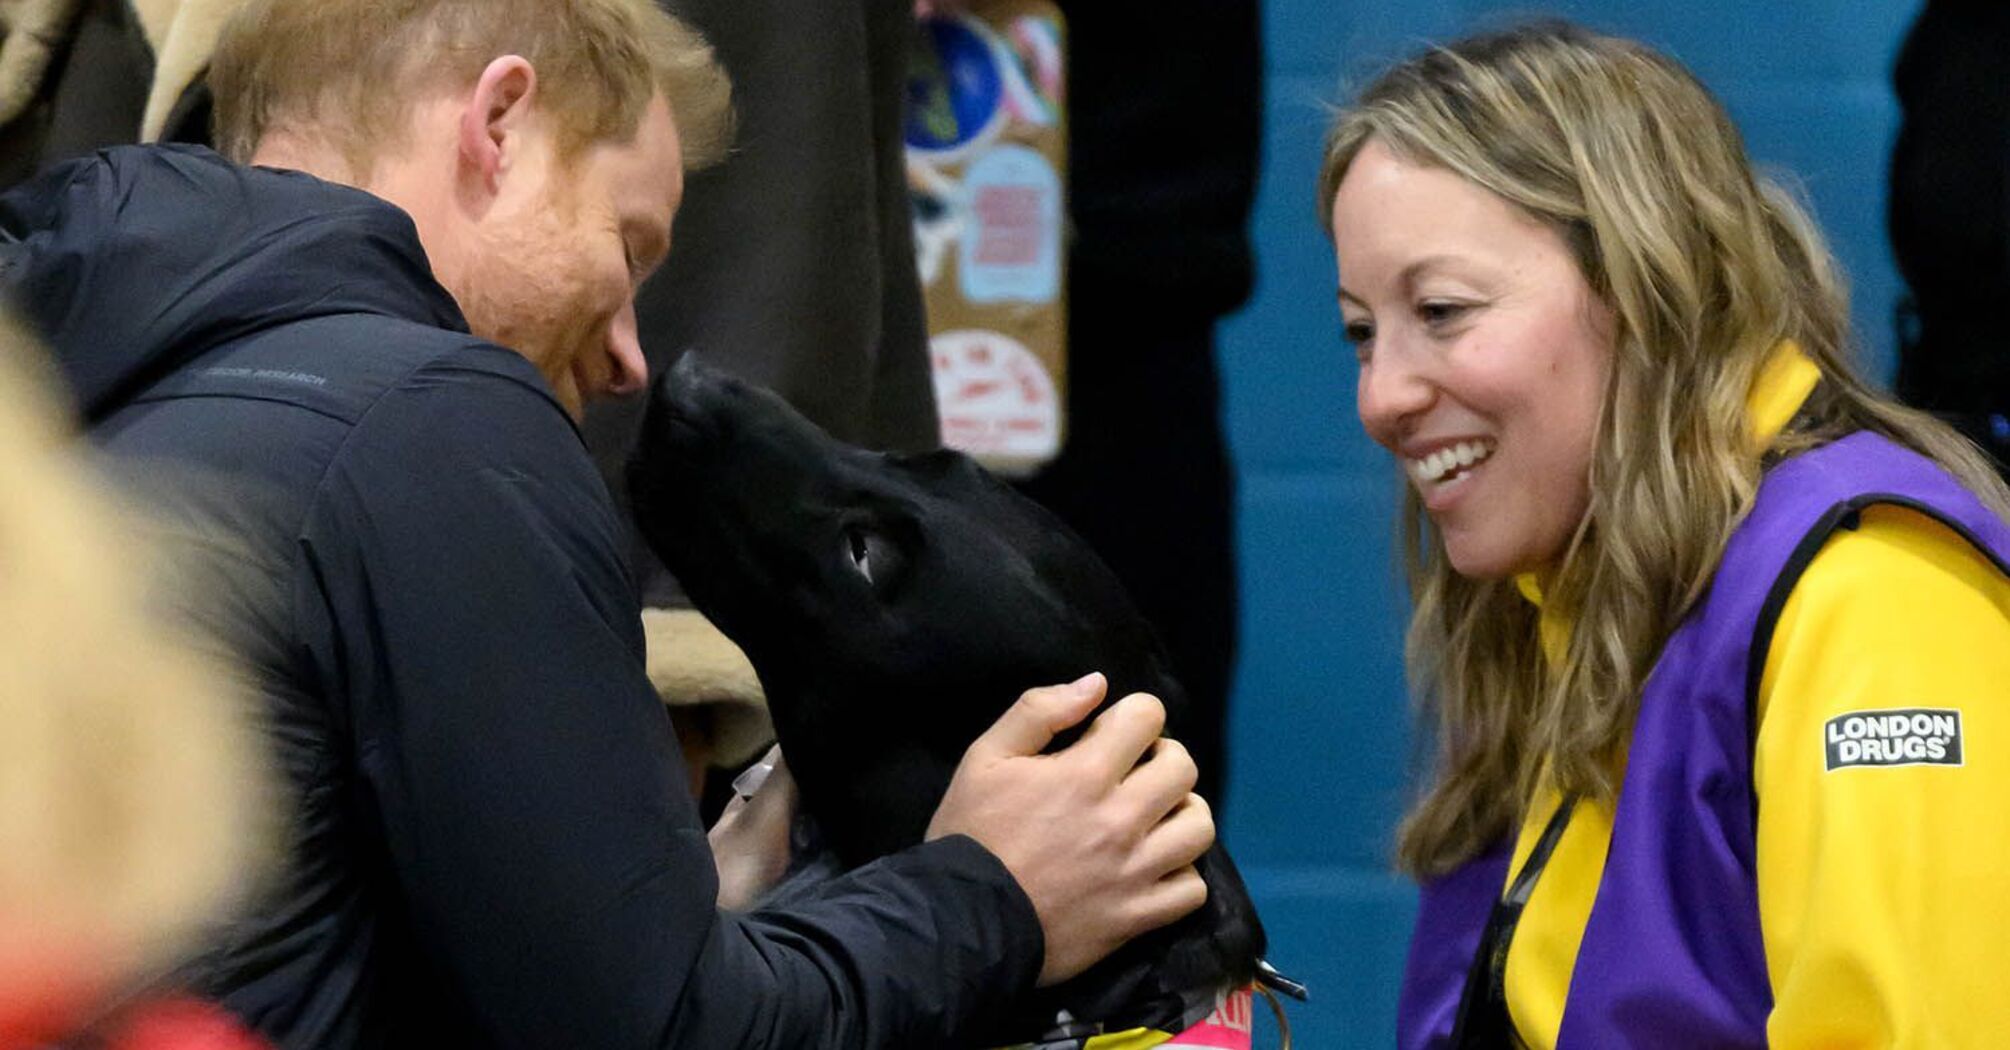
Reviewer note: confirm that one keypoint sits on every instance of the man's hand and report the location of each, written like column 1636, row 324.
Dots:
column 750, row 843
column 1102, row 836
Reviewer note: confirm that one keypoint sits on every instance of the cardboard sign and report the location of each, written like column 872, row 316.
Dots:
column 986, row 134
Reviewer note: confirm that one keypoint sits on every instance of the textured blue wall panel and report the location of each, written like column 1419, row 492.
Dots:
column 1289, row 389
column 1343, row 935
column 1822, row 40
column 1335, row 38
column 1835, row 145
column 1320, row 739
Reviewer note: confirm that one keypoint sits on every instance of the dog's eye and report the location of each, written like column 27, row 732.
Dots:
column 861, row 552
column 877, row 558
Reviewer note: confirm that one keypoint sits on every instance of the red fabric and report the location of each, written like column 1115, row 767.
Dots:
column 46, row 987
column 1227, row 1028
column 183, row 1024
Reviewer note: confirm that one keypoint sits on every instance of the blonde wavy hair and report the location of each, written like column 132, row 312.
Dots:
column 134, row 800
column 1707, row 268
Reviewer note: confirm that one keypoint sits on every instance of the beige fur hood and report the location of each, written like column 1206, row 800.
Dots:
column 692, row 664
column 182, row 32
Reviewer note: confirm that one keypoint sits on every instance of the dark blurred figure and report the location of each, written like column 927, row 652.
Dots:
column 1950, row 217
column 1164, row 108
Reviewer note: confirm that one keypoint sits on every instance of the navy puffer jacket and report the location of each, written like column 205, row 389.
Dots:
column 490, row 842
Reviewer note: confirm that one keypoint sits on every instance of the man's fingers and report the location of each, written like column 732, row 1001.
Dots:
column 1120, row 736
column 754, row 777
column 779, row 777
column 1030, row 724
column 1177, row 841
column 1161, row 782
column 777, row 792
column 1169, row 899
column 732, row 811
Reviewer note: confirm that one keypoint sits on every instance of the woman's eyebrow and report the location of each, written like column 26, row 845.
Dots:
column 1406, row 277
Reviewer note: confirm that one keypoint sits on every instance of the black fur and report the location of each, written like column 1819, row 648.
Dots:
column 894, row 606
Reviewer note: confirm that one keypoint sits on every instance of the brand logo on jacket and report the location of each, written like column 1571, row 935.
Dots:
column 1913, row 736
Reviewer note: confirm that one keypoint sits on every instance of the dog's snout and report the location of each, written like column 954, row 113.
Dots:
column 696, row 396
column 686, row 385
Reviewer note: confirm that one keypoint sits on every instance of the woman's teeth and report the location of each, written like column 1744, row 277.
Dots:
column 1450, row 460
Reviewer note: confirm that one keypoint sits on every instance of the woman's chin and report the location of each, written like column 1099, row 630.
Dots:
column 1478, row 559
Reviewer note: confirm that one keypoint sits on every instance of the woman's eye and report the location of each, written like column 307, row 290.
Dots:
column 1437, row 313
column 1361, row 336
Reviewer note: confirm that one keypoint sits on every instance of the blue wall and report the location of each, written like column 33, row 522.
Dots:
column 1320, row 736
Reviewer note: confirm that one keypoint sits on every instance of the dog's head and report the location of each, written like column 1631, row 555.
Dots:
column 894, row 605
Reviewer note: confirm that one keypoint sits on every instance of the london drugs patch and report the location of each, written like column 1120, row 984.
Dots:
column 1913, row 736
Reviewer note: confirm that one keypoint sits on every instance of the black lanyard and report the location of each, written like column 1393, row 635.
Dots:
column 1483, row 1022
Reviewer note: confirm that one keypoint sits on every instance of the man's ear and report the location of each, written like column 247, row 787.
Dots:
column 496, row 112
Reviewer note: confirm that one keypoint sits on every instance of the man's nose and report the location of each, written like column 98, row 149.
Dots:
column 624, row 349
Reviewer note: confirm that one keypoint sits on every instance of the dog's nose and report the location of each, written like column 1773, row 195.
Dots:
column 687, row 370
column 691, row 385
column 710, row 401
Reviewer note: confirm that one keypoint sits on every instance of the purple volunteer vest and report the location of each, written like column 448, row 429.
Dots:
column 1672, row 955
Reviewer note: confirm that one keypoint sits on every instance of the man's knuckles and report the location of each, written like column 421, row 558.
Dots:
column 1190, row 830
column 1173, row 762
column 1122, row 733
column 1142, row 714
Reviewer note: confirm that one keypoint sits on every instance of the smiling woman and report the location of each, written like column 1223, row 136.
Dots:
column 1660, row 536
column 1484, row 355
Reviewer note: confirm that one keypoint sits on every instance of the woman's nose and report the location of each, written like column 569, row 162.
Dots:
column 1390, row 392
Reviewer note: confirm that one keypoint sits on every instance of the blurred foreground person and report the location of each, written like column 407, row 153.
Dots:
column 1716, row 637
column 382, row 334
column 130, row 788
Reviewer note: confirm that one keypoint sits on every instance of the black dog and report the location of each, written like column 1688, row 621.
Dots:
column 895, row 606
